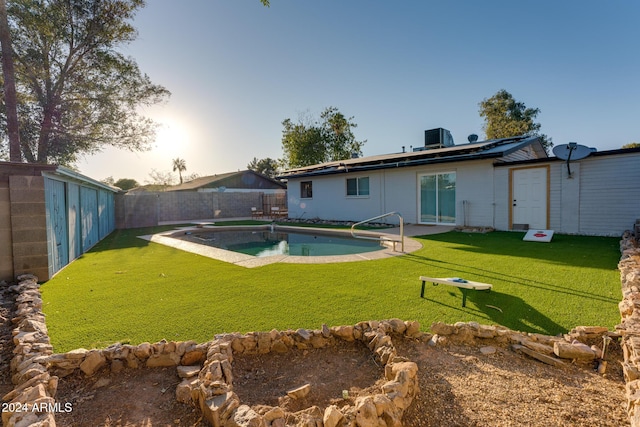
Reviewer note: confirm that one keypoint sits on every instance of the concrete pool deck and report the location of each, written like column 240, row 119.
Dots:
column 249, row 261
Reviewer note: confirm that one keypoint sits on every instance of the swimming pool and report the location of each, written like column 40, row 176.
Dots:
column 264, row 243
column 174, row 239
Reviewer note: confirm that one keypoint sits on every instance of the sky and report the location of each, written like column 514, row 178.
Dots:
column 237, row 69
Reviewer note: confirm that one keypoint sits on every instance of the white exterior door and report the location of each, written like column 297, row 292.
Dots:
column 529, row 201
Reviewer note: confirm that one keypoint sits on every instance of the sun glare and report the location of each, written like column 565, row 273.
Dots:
column 171, row 137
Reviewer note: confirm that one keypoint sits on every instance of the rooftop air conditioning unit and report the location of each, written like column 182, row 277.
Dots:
column 437, row 138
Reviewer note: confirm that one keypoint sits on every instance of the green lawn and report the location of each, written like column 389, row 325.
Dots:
column 129, row 290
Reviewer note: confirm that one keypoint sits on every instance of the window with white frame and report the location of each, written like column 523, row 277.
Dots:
column 358, row 186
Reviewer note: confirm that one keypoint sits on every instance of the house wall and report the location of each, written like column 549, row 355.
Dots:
column 395, row 190
column 610, row 194
column 602, row 197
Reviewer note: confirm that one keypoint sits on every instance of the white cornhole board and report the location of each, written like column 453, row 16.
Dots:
column 534, row 235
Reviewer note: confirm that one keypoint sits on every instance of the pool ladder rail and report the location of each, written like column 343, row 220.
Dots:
column 381, row 238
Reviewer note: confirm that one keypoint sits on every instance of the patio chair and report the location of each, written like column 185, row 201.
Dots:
column 255, row 213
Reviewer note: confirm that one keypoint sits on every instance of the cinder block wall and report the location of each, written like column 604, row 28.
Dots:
column 147, row 210
column 136, row 210
column 183, row 205
column 235, row 205
column 6, row 243
column 28, row 226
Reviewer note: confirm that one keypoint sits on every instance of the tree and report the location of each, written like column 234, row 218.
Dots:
column 10, row 96
column 180, row 166
column 126, row 183
column 505, row 117
column 309, row 142
column 109, row 180
column 163, row 178
column 191, row 177
column 76, row 92
column 632, row 145
column 266, row 166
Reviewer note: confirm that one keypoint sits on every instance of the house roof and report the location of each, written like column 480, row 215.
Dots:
column 614, row 152
column 246, row 179
column 495, row 148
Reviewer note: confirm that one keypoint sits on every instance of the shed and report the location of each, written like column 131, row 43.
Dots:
column 49, row 216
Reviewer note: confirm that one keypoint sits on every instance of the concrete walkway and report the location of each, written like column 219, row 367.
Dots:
column 411, row 230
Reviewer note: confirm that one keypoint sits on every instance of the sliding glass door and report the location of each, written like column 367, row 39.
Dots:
column 438, row 198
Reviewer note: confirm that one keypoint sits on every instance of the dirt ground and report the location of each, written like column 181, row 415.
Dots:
column 460, row 386
column 265, row 379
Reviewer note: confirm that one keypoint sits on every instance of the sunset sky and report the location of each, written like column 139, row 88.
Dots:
column 237, row 69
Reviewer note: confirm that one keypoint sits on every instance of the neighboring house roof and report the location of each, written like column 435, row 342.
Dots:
column 147, row 188
column 246, row 179
column 496, row 148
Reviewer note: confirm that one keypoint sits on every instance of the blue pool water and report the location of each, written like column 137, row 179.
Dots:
column 263, row 243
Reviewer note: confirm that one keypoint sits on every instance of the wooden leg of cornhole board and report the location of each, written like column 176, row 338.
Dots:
column 422, row 290
column 464, row 296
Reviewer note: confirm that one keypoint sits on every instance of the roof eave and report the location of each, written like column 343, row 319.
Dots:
column 76, row 176
column 409, row 163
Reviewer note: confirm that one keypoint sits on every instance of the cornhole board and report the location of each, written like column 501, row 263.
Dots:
column 534, row 235
column 464, row 285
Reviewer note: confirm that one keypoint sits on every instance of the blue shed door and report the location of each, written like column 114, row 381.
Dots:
column 75, row 231
column 89, row 217
column 104, row 214
column 56, row 214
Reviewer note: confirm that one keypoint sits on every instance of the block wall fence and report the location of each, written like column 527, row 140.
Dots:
column 135, row 210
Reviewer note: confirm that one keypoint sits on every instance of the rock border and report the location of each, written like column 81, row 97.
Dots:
column 212, row 389
column 629, row 267
column 31, row 402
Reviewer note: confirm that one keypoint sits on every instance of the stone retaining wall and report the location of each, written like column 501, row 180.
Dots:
column 212, row 389
column 629, row 267
column 32, row 402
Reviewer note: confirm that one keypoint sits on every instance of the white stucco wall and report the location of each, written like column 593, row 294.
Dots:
column 602, row 197
column 395, row 190
column 609, row 194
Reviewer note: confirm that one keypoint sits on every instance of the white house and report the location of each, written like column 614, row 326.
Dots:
column 506, row 184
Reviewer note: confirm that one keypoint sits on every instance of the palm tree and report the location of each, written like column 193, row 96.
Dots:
column 179, row 165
